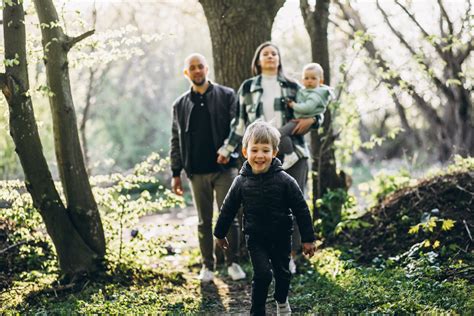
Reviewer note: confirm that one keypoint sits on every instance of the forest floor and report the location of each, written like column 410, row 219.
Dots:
column 224, row 294
column 411, row 254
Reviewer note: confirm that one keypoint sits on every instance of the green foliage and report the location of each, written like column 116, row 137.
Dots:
column 124, row 201
column 33, row 258
column 431, row 230
column 351, row 224
column 332, row 208
column 32, row 248
column 12, row 62
column 460, row 164
column 383, row 184
column 333, row 285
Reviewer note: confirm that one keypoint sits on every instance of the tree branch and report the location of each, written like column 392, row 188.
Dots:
column 465, row 19
column 439, row 84
column 393, row 81
column 71, row 41
column 425, row 33
column 349, row 34
column 444, row 14
column 306, row 13
column 463, row 55
column 12, row 247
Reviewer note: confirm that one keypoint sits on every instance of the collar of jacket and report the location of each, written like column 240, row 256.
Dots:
column 209, row 89
column 275, row 166
column 257, row 82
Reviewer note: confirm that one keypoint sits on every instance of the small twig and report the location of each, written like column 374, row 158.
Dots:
column 59, row 288
column 12, row 246
column 463, row 189
column 467, row 228
column 85, row 285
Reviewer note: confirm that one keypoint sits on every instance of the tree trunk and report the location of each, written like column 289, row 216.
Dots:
column 237, row 28
column 325, row 176
column 80, row 200
column 75, row 257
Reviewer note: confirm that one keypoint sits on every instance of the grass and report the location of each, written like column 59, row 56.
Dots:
column 327, row 284
column 330, row 284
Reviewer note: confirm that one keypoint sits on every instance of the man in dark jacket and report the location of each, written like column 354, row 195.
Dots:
column 201, row 122
column 270, row 198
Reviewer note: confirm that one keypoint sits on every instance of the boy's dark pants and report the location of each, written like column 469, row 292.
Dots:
column 267, row 255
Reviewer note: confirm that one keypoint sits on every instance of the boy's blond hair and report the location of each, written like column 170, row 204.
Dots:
column 261, row 132
column 316, row 67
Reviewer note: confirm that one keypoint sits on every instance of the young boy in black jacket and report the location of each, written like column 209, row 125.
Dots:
column 270, row 198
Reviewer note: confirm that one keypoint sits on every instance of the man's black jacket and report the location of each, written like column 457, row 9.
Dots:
column 269, row 200
column 222, row 104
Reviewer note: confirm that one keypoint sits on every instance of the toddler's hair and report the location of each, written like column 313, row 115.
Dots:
column 261, row 132
column 316, row 67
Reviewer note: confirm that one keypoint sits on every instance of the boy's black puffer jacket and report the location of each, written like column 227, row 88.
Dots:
column 269, row 200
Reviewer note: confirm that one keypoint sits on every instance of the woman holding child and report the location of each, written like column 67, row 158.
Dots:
column 266, row 97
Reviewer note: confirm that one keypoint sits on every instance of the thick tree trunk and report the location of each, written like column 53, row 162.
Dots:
column 325, row 175
column 237, row 28
column 80, row 200
column 75, row 257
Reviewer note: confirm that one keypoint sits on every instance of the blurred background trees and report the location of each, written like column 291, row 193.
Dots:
column 404, row 70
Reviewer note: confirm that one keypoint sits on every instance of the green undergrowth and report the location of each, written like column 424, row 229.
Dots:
column 128, row 290
column 332, row 284
column 329, row 283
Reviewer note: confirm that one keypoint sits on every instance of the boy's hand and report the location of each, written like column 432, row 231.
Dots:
column 223, row 243
column 308, row 249
column 291, row 103
column 176, row 186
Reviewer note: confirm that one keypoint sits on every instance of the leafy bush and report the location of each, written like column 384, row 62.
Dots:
column 32, row 259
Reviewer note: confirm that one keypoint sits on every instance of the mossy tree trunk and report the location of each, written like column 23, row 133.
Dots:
column 75, row 255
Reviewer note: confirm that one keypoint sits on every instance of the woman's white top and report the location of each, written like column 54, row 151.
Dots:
column 271, row 95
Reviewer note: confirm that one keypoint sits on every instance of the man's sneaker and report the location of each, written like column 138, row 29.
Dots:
column 283, row 308
column 206, row 275
column 292, row 266
column 289, row 160
column 236, row 272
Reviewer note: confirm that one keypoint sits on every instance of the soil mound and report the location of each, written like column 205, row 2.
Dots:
column 434, row 203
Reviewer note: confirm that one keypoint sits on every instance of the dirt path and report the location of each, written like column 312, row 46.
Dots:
column 223, row 294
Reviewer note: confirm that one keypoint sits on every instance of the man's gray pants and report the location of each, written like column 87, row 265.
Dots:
column 204, row 188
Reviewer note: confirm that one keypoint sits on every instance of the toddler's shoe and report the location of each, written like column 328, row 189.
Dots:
column 206, row 275
column 236, row 272
column 289, row 160
column 283, row 308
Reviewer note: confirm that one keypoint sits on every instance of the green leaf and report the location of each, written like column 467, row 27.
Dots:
column 453, row 81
